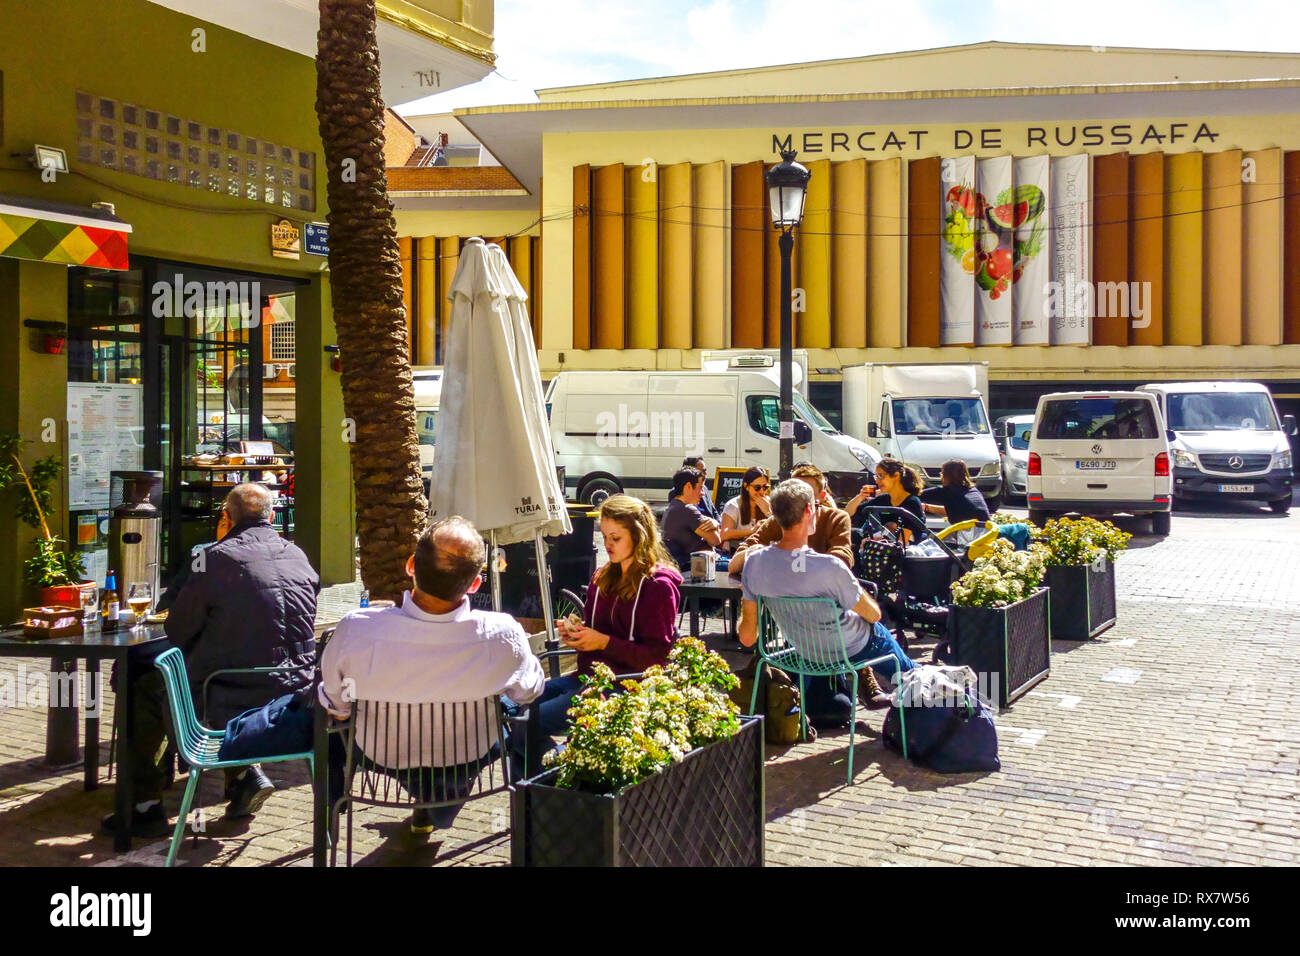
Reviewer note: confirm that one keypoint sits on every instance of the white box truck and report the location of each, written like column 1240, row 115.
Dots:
column 1228, row 441
column 924, row 415
column 628, row 431
column 427, row 380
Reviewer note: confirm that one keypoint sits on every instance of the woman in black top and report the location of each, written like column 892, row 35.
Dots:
column 957, row 499
column 898, row 486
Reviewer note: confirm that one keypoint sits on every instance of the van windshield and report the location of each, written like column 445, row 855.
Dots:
column 1221, row 411
column 1099, row 418
column 940, row 416
column 811, row 415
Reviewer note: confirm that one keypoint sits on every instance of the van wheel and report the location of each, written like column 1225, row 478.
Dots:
column 1160, row 523
column 1037, row 516
column 1281, row 506
column 597, row 490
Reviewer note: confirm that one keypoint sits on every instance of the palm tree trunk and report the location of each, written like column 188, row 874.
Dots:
column 366, row 284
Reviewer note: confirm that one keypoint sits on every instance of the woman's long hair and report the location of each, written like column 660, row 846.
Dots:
column 912, row 482
column 647, row 547
column 955, row 473
column 746, row 495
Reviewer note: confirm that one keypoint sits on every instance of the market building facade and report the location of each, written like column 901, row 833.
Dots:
column 1068, row 214
column 164, row 290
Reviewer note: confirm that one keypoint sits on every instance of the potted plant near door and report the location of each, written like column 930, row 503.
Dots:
column 662, row 773
column 1081, row 574
column 998, row 625
column 54, row 572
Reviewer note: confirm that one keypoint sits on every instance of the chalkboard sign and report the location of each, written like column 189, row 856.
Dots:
column 726, row 485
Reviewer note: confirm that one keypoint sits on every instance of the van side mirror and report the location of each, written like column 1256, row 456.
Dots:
column 1170, row 434
column 802, row 432
column 1288, row 425
column 873, row 430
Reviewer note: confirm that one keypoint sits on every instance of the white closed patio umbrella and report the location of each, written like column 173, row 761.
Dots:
column 494, row 463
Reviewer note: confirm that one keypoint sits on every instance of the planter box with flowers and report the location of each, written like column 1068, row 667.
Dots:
column 998, row 625
column 1081, row 574
column 662, row 773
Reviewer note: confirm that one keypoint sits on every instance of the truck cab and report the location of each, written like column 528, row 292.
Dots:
column 1228, row 442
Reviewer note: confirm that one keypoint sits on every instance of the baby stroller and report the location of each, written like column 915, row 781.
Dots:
column 918, row 592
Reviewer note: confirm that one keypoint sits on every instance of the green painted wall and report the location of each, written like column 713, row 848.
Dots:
column 140, row 53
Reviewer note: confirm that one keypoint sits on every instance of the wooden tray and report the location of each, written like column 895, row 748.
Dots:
column 57, row 620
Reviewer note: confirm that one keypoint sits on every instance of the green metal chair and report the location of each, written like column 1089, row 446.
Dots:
column 802, row 637
column 196, row 744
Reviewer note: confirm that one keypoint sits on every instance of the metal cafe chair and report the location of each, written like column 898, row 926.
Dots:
column 802, row 636
column 419, row 756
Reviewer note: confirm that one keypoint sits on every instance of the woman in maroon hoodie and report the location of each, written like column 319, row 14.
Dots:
column 630, row 620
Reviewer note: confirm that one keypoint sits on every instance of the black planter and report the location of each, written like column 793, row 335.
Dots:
column 1007, row 647
column 1083, row 600
column 707, row 810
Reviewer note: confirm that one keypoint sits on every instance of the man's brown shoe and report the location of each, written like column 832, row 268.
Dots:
column 869, row 692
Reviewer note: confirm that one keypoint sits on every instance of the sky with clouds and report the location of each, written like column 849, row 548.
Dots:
column 544, row 43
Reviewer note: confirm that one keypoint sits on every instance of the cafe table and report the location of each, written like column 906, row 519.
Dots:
column 724, row 587
column 133, row 651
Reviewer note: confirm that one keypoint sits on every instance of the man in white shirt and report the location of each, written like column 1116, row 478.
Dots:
column 434, row 649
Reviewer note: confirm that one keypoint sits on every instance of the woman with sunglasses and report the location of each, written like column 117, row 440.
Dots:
column 741, row 515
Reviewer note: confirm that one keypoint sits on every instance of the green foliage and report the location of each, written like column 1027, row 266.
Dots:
column 618, row 740
column 1073, row 542
column 52, row 566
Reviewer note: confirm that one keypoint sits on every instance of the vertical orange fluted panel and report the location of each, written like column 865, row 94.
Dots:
column 710, row 255
column 1291, row 248
column 448, row 260
column 642, row 239
column 1221, row 290
column 1146, row 244
column 772, row 286
column 1184, row 247
column 923, row 251
column 405, row 247
column 813, row 240
column 608, row 262
column 426, row 301
column 886, row 254
column 535, row 305
column 1110, row 195
column 849, row 254
column 520, row 251
column 1261, row 240
column 675, row 254
column 748, row 255
column 582, row 219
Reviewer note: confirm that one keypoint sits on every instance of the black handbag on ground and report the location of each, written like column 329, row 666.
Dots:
column 950, row 739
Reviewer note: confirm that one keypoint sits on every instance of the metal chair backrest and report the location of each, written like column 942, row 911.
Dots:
column 188, row 733
column 803, row 635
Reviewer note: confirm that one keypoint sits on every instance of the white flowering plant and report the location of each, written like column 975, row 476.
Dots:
column 619, row 738
column 1002, row 577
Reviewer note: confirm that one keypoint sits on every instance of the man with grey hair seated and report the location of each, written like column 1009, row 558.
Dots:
column 250, row 601
column 791, row 569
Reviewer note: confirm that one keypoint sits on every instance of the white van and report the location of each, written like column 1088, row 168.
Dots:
column 1099, row 453
column 428, row 395
column 629, row 431
column 924, row 415
column 1228, row 441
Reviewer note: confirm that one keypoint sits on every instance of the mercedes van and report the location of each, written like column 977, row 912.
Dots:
column 628, row 431
column 1228, row 441
column 1099, row 453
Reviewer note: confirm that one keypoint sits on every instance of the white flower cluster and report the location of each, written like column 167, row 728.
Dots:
column 1002, row 577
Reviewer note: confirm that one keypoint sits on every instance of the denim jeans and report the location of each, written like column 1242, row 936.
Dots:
column 826, row 702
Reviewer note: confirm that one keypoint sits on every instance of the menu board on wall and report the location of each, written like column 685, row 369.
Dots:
column 105, row 434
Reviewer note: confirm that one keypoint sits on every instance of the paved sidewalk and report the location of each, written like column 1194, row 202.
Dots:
column 1173, row 739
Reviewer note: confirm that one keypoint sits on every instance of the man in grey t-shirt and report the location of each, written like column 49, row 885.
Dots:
column 790, row 569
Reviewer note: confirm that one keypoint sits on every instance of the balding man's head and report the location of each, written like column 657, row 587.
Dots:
column 448, row 557
column 250, row 502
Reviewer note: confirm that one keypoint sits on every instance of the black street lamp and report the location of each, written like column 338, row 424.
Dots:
column 787, row 185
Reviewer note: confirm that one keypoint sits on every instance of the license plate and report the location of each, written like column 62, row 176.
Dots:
column 1095, row 464
column 1236, row 489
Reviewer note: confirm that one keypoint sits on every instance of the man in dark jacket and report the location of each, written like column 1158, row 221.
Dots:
column 249, row 602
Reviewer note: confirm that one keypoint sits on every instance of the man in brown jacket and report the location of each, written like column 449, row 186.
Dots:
column 832, row 535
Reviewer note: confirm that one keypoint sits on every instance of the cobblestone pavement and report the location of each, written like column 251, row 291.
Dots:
column 1172, row 739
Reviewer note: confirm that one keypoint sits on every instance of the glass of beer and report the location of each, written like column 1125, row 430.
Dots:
column 138, row 598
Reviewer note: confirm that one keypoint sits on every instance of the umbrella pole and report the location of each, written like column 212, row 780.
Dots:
column 494, row 571
column 548, row 614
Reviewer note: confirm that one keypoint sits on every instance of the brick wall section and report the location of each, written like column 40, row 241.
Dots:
column 429, row 178
column 399, row 140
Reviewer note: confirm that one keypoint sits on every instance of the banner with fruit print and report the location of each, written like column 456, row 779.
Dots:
column 994, row 253
column 961, row 210
column 1069, row 297
column 1031, row 265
